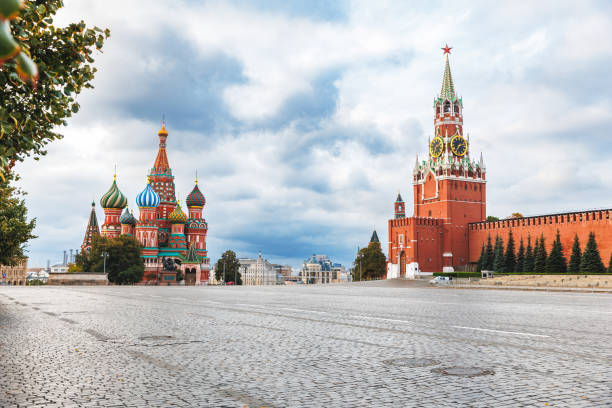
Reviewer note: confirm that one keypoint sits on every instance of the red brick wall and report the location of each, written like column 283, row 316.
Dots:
column 568, row 224
column 421, row 242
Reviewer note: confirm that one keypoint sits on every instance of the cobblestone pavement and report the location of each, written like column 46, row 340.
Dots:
column 303, row 346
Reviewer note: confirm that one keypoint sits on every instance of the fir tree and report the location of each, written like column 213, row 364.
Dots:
column 539, row 265
column 529, row 257
column 498, row 259
column 481, row 260
column 556, row 262
column 610, row 264
column 520, row 259
column 576, row 258
column 510, row 257
column 489, row 256
column 591, row 261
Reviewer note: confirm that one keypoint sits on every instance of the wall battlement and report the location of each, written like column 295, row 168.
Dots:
column 549, row 219
column 406, row 222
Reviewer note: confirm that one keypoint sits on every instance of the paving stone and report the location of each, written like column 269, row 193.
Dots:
column 301, row 346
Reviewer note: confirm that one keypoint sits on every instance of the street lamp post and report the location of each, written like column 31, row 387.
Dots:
column 104, row 255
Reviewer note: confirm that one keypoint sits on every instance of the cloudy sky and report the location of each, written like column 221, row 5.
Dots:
column 303, row 118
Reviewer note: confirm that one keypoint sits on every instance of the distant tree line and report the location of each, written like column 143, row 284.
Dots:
column 534, row 259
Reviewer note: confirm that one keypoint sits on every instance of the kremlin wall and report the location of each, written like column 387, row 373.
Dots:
column 448, row 227
column 568, row 224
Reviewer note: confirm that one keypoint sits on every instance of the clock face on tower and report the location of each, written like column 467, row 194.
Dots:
column 458, row 145
column 436, row 146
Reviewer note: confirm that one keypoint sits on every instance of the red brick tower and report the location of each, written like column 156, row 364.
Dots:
column 162, row 182
column 449, row 185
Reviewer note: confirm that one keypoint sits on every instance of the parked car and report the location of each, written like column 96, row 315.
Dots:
column 440, row 279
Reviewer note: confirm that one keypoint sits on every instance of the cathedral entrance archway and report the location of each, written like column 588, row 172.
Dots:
column 402, row 264
column 190, row 276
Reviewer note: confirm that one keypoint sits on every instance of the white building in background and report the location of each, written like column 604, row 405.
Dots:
column 257, row 271
column 320, row 269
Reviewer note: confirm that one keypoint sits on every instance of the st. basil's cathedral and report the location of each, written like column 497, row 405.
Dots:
column 162, row 228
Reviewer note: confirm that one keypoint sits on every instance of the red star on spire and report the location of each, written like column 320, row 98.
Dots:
column 446, row 49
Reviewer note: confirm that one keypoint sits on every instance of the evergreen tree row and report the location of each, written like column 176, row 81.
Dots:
column 534, row 259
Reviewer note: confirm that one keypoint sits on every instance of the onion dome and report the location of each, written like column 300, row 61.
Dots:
column 127, row 218
column 147, row 197
column 113, row 197
column 196, row 198
column 177, row 216
column 163, row 131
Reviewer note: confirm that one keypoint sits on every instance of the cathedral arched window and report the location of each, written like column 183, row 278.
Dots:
column 457, row 112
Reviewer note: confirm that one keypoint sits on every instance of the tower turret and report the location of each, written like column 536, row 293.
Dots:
column 147, row 230
column 197, row 226
column 113, row 202
column 400, row 207
column 92, row 229
column 177, row 219
column 374, row 239
column 162, row 182
column 128, row 222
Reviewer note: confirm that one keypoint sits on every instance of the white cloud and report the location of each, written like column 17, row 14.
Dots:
column 518, row 67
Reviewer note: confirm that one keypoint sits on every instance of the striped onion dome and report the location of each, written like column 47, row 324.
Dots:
column 113, row 197
column 147, row 197
column 177, row 216
column 127, row 218
column 195, row 198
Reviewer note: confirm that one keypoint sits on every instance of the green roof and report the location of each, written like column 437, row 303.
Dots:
column 448, row 88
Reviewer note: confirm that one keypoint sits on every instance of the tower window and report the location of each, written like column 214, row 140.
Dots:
column 447, row 107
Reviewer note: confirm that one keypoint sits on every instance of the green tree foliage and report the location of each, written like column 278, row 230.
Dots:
column 520, row 258
column 489, row 256
column 556, row 262
column 123, row 256
column 575, row 258
column 131, row 275
column 74, row 268
column 481, row 260
column 9, row 47
column 529, row 264
column 15, row 228
column 510, row 257
column 540, row 256
column 492, row 218
column 498, row 259
column 610, row 264
column 591, row 261
column 29, row 118
column 232, row 268
column 370, row 263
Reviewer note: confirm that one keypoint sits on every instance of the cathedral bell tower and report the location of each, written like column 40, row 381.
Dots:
column 449, row 185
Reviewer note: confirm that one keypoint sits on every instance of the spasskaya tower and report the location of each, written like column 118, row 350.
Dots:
column 449, row 193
